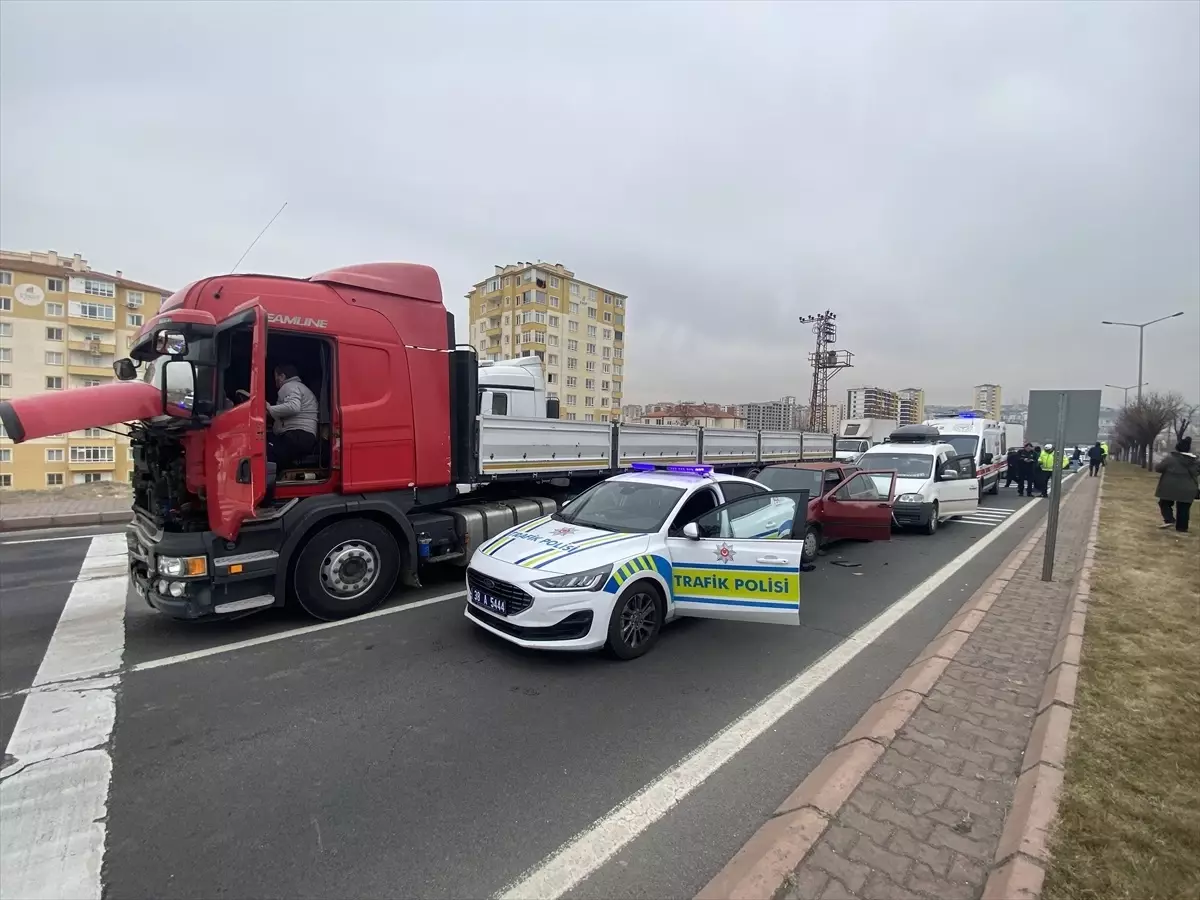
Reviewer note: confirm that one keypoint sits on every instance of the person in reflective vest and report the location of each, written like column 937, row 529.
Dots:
column 1104, row 447
column 1045, row 465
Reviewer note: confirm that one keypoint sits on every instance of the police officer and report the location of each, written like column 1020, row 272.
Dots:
column 1012, row 467
column 1045, row 464
column 1026, row 464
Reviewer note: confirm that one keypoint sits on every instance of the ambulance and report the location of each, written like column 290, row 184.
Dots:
column 984, row 440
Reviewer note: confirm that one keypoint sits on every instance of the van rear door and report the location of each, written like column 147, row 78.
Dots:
column 236, row 469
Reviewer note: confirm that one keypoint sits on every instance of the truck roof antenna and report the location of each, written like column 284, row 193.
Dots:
column 255, row 241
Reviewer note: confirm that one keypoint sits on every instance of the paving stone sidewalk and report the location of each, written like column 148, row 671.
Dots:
column 927, row 820
column 41, row 513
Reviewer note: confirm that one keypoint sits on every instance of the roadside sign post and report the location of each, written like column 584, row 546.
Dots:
column 1060, row 441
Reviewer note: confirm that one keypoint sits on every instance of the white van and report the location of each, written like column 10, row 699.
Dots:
column 986, row 440
column 934, row 482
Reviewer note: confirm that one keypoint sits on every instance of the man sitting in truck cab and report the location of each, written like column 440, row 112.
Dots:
column 295, row 414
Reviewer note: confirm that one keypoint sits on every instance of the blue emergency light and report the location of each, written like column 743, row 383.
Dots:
column 671, row 467
column 968, row 415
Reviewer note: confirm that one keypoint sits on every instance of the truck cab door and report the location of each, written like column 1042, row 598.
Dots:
column 741, row 561
column 236, row 469
column 860, row 508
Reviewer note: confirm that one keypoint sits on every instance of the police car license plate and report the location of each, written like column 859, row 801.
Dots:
column 486, row 601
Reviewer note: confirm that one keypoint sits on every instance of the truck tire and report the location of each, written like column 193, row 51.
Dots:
column 931, row 526
column 346, row 569
column 812, row 543
column 636, row 621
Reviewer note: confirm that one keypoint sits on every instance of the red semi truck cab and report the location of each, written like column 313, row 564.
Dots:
column 217, row 529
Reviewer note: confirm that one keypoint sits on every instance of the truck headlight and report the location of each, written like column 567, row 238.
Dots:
column 183, row 566
column 910, row 498
column 591, row 580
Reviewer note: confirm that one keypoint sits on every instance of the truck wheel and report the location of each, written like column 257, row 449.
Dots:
column 346, row 569
column 812, row 543
column 931, row 526
column 637, row 620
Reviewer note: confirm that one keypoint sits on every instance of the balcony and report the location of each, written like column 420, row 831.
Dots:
column 99, row 370
column 91, row 324
column 101, row 347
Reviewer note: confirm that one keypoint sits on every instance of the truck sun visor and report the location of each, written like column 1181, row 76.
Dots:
column 56, row 412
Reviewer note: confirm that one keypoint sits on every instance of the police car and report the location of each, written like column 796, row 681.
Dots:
column 637, row 550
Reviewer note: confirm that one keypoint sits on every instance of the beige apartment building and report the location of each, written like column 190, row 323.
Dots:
column 912, row 406
column 872, row 403
column 987, row 400
column 575, row 327
column 62, row 325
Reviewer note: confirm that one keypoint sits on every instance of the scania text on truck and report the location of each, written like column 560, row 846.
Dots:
column 416, row 461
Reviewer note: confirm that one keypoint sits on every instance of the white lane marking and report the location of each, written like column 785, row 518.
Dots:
column 69, row 537
column 54, row 794
column 295, row 632
column 603, row 839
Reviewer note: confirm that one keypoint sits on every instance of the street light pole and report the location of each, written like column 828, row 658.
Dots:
column 1117, row 387
column 1141, row 343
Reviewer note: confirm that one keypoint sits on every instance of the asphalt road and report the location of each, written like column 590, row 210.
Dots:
column 411, row 754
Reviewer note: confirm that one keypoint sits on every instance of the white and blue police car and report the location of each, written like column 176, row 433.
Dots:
column 637, row 550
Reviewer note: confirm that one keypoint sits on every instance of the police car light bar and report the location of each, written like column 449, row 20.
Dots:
column 671, row 467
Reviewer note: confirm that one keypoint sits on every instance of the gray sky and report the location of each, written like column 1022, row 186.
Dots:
column 970, row 186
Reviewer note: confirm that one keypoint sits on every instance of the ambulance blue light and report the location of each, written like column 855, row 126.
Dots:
column 665, row 467
column 968, row 415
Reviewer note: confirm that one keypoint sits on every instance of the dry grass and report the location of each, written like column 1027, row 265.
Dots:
column 1129, row 822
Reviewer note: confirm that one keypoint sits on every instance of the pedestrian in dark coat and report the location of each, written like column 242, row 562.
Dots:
column 1095, row 456
column 1178, row 485
column 1012, row 467
column 1027, row 470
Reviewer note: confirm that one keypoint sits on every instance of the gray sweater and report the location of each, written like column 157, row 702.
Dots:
column 297, row 408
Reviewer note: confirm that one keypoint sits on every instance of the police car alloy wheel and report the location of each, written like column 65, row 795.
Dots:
column 637, row 620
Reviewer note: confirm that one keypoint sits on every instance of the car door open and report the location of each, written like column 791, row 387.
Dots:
column 860, row 507
column 741, row 561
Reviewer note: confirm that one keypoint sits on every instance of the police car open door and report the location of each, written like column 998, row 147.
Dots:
column 741, row 561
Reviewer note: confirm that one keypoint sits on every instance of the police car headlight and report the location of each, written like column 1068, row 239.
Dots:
column 910, row 498
column 591, row 580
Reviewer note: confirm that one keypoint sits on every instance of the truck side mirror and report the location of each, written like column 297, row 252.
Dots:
column 178, row 388
column 125, row 369
column 171, row 343
column 552, row 408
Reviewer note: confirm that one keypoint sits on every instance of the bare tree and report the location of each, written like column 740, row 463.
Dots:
column 1139, row 426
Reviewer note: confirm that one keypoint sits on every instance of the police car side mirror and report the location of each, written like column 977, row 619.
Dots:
column 691, row 531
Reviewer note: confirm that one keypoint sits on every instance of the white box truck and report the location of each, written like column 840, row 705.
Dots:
column 856, row 436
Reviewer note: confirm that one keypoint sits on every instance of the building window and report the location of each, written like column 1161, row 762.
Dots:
column 574, row 289
column 5, row 304
column 5, row 455
column 54, row 334
column 574, row 308
column 5, row 480
column 572, row 362
column 607, row 316
column 554, row 301
column 102, row 311
column 607, row 351
column 54, row 358
column 552, row 359
column 554, row 281
column 589, row 384
column 493, row 285
column 99, row 288
column 589, row 401
column 571, row 399
column 620, row 302
column 5, row 354
column 551, row 378
column 91, row 382
column 5, row 329
column 618, row 336
column 608, row 298
column 54, row 479
column 591, row 331
column 591, row 366
column 570, row 417
column 554, row 321
column 604, row 385
column 87, row 454
column 591, row 349
column 589, row 417
column 55, row 286
column 134, row 319
column 5, row 380
column 572, row 345
column 54, row 309
column 608, row 334
column 54, row 454
column 94, row 477
column 592, row 295
column 591, row 312
column 552, row 340
column 54, row 382
column 93, row 432
column 573, row 327
column 572, row 381
column 6, row 279
column 605, row 368
column 604, row 401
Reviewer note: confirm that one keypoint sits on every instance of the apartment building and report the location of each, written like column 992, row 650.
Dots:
column 632, row 412
column 987, row 400
column 577, row 328
column 702, row 415
column 912, row 406
column 62, row 325
column 872, row 403
column 784, row 414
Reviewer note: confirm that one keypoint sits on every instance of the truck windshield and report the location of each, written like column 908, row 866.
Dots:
column 963, row 444
column 785, row 478
column 905, row 465
column 622, row 506
column 853, row 446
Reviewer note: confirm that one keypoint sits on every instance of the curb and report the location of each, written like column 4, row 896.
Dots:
column 765, row 863
column 1019, row 866
column 66, row 520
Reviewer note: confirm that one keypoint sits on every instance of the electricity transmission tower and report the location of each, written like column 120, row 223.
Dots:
column 826, row 363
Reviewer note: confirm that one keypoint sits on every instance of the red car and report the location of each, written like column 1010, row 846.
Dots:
column 845, row 502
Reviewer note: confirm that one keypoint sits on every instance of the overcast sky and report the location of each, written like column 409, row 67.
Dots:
column 970, row 186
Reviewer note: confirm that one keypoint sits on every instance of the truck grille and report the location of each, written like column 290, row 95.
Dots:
column 518, row 600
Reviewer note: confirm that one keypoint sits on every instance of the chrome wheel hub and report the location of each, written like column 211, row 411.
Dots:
column 350, row 569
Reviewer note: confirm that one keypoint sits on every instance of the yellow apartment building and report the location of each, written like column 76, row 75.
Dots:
column 987, row 399
column 62, row 325
column 912, row 406
column 575, row 327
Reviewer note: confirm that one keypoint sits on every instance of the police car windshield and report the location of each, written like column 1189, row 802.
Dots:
column 963, row 444
column 906, row 465
column 632, row 506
